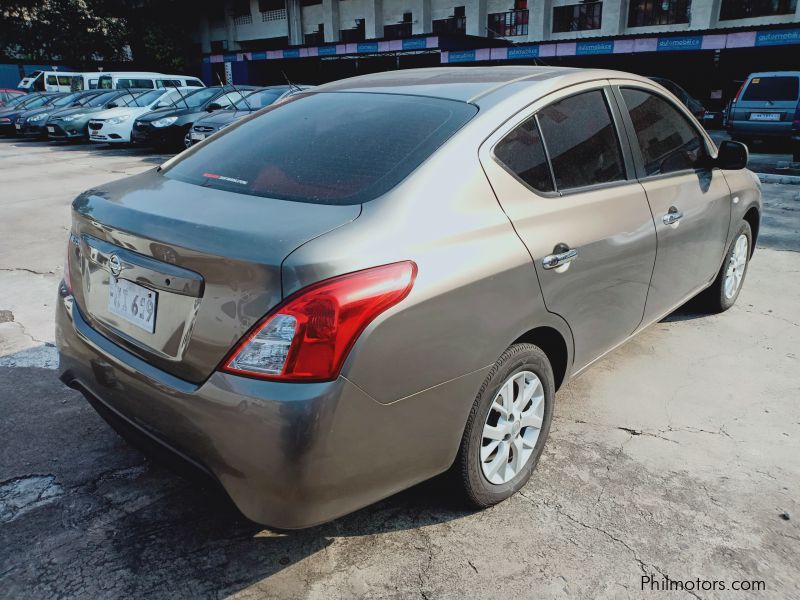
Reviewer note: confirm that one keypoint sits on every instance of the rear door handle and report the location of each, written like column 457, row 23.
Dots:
column 672, row 217
column 553, row 261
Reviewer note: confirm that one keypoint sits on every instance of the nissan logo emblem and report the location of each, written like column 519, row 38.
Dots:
column 114, row 265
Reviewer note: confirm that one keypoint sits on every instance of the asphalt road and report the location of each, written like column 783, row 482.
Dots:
column 677, row 455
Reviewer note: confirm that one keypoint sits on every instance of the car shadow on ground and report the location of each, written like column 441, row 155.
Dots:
column 149, row 155
column 74, row 493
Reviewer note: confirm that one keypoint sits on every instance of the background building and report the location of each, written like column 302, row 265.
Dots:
column 708, row 46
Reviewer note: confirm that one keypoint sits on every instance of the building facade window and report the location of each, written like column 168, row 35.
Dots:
column 269, row 5
column 455, row 25
column 748, row 9
column 577, row 17
column 643, row 13
column 509, row 24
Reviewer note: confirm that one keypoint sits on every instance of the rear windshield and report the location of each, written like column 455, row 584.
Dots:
column 258, row 99
column 102, row 99
column 330, row 148
column 198, row 98
column 772, row 88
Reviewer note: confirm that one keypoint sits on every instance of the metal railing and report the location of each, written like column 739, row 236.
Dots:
column 273, row 15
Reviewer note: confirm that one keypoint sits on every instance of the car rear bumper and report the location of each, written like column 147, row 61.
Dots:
column 757, row 129
column 289, row 455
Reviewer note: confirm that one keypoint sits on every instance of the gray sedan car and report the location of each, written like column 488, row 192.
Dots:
column 389, row 277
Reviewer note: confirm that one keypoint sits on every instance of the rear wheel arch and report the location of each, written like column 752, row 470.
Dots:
column 554, row 345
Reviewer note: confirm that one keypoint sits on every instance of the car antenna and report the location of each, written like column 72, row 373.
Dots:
column 250, row 108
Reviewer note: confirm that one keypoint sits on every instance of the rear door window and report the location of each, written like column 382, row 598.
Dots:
column 328, row 148
column 781, row 89
column 581, row 140
column 667, row 140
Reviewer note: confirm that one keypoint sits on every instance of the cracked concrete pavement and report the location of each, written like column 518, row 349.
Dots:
column 677, row 455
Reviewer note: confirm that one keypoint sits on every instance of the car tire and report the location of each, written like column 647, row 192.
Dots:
column 721, row 296
column 796, row 151
column 478, row 455
column 187, row 138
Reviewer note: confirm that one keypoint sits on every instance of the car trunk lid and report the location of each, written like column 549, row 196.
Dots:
column 208, row 260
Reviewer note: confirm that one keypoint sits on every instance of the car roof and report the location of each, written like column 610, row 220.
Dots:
column 479, row 85
column 775, row 73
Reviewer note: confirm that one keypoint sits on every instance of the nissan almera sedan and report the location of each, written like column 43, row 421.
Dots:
column 389, row 277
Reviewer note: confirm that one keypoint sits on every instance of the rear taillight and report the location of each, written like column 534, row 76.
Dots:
column 308, row 336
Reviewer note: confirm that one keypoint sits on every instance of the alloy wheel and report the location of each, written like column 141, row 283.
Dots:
column 512, row 427
column 736, row 267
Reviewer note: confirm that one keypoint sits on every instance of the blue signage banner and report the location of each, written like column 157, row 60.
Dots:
column 258, row 55
column 367, row 47
column 778, row 37
column 326, row 50
column 586, row 48
column 415, row 44
column 229, row 58
column 689, row 42
column 522, row 52
column 291, row 53
column 461, row 56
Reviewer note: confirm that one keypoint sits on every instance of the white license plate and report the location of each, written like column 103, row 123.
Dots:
column 18, row 126
column 51, row 129
column 198, row 136
column 134, row 303
column 765, row 116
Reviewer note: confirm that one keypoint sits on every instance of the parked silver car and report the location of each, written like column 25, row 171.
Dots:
column 389, row 277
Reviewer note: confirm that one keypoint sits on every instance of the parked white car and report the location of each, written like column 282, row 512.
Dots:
column 114, row 125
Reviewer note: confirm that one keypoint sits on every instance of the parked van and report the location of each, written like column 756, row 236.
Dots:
column 47, row 81
column 86, row 81
column 765, row 106
column 113, row 81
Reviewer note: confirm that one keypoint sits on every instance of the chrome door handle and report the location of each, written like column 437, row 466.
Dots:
column 552, row 261
column 672, row 217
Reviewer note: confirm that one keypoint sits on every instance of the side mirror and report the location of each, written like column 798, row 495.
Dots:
column 732, row 155
column 112, row 105
column 213, row 106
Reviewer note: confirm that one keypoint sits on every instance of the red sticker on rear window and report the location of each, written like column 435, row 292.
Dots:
column 223, row 178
